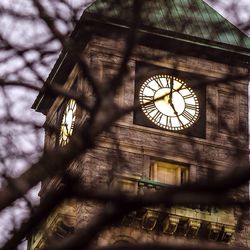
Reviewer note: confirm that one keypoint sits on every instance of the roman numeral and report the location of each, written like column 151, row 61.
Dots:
column 190, row 106
column 167, row 83
column 188, row 96
column 148, row 98
column 157, row 117
column 151, row 89
column 64, row 119
column 182, row 87
column 150, row 107
column 158, row 81
column 169, row 122
column 187, row 115
column 180, row 122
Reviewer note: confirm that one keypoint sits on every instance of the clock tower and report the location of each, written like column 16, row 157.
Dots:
column 187, row 81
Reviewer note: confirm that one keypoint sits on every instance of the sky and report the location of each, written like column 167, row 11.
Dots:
column 238, row 14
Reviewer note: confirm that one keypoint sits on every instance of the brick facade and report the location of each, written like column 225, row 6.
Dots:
column 219, row 151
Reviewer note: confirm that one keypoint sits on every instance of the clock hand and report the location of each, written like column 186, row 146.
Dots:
column 165, row 95
column 171, row 102
column 66, row 125
column 171, row 92
column 176, row 113
column 172, row 106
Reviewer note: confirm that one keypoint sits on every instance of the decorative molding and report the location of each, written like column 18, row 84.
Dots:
column 58, row 225
column 192, row 222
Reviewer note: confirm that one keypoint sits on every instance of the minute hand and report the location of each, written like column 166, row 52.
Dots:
column 171, row 92
column 175, row 112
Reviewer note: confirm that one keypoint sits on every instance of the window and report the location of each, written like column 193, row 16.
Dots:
column 169, row 173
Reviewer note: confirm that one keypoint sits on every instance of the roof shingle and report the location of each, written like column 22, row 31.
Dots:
column 194, row 18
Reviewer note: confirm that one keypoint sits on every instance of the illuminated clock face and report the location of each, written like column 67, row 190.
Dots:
column 68, row 122
column 168, row 102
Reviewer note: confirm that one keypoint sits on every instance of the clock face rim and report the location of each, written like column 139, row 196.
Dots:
column 194, row 116
column 68, row 118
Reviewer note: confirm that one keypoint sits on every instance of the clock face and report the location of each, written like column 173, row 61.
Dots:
column 168, row 102
column 68, row 122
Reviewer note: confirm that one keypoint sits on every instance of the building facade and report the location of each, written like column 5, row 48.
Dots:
column 190, row 123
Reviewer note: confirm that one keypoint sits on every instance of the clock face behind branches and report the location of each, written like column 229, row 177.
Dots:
column 68, row 122
column 168, row 102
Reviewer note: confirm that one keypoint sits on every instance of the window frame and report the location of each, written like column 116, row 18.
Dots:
column 182, row 172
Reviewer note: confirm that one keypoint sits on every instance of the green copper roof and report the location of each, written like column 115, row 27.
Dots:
column 194, row 18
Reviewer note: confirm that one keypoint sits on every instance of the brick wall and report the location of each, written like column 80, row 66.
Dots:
column 221, row 150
